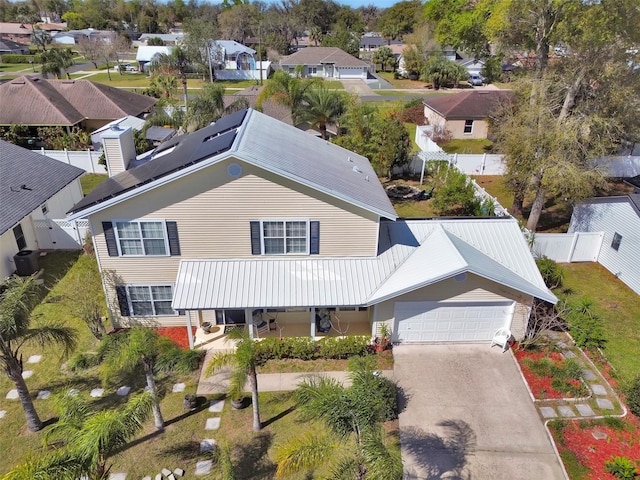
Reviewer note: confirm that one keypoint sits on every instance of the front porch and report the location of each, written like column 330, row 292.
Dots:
column 272, row 323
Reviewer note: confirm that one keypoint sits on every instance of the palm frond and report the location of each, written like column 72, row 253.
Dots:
column 303, row 453
column 16, row 302
column 72, row 411
column 59, row 464
column 44, row 335
column 383, row 461
column 346, row 468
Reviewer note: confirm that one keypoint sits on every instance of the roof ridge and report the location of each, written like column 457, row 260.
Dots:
column 34, row 86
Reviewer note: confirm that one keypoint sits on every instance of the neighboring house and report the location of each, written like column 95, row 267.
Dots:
column 235, row 61
column 618, row 218
column 371, row 42
column 251, row 215
column 63, row 39
column 16, row 32
column 34, row 192
column 36, row 102
column 146, row 54
column 10, row 47
column 129, row 121
column 464, row 114
column 167, row 38
column 325, row 62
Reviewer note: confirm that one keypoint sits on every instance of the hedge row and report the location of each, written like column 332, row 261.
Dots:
column 15, row 58
column 304, row 348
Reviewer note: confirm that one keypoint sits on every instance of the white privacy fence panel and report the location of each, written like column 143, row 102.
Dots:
column 86, row 160
column 479, row 164
column 568, row 247
column 60, row 234
column 483, row 195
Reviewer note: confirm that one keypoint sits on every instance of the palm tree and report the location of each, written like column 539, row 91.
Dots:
column 177, row 62
column 243, row 364
column 16, row 302
column 208, row 106
column 286, row 90
column 320, row 106
column 86, row 438
column 55, row 60
column 353, row 436
column 131, row 349
column 315, row 35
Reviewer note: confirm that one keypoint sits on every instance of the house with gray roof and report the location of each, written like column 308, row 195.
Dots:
column 325, row 62
column 35, row 193
column 252, row 222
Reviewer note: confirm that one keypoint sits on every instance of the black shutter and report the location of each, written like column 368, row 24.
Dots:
column 255, row 238
column 121, row 292
column 314, row 238
column 110, row 238
column 174, row 242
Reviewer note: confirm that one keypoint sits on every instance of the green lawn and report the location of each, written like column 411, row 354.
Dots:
column 89, row 181
column 23, row 68
column 618, row 307
column 494, row 185
column 478, row 145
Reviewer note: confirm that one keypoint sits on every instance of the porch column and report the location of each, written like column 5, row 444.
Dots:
column 189, row 330
column 374, row 324
column 249, row 319
column 313, row 322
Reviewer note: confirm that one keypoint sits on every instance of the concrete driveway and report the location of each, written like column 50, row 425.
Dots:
column 466, row 414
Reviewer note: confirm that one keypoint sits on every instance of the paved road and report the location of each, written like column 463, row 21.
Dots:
column 468, row 415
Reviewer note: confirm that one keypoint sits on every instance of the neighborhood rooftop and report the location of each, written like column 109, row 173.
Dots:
column 322, row 55
column 257, row 139
column 468, row 105
column 27, row 180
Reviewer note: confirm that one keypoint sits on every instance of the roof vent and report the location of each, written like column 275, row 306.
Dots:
column 349, row 159
column 357, row 169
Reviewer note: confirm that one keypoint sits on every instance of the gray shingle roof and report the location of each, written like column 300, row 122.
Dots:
column 322, row 55
column 266, row 143
column 472, row 105
column 27, row 180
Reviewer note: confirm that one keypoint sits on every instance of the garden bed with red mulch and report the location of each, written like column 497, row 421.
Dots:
column 543, row 370
column 575, row 440
column 177, row 335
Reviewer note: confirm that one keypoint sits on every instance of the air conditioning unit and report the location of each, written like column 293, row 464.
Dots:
column 26, row 262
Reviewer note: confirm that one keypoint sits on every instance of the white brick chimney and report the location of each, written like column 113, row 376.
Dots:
column 119, row 148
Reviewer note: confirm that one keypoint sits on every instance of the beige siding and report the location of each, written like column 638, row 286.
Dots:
column 456, row 127
column 474, row 289
column 433, row 118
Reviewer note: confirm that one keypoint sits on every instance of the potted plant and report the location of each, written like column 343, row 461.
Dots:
column 383, row 340
column 206, row 327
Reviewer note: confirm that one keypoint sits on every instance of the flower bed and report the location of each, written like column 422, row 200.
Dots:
column 576, row 439
column 177, row 335
column 550, row 375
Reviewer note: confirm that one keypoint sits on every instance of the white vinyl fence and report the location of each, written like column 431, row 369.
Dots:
column 86, row 160
column 60, row 234
column 568, row 247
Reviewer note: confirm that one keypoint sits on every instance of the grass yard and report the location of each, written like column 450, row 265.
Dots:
column 21, row 68
column 402, row 83
column 90, row 181
column 618, row 307
column 477, row 145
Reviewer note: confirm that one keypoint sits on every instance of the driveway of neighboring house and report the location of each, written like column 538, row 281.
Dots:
column 466, row 414
column 359, row 87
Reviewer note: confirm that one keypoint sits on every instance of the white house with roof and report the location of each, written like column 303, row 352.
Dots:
column 617, row 219
column 251, row 218
column 146, row 54
column 35, row 193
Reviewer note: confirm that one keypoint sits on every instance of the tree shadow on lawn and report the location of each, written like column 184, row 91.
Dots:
column 436, row 455
column 251, row 460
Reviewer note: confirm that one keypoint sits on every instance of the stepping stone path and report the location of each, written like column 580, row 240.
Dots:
column 123, row 391
column 566, row 411
column 27, row 374
column 204, row 467
column 585, row 410
column 216, row 406
column 569, row 354
column 212, row 423
column 2, row 413
column 178, row 387
column 43, row 394
column 118, row 476
column 599, row 435
column 589, row 375
column 74, row 392
column 604, row 403
column 34, row 359
column 548, row 412
column 97, row 392
column 598, row 389
column 13, row 395
column 207, row 445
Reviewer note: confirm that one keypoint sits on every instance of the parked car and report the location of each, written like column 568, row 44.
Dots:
column 127, row 67
column 476, row 80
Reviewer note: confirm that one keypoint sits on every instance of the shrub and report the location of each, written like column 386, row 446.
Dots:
column 84, row 361
column 16, row 58
column 304, row 348
column 331, row 347
column 585, row 325
column 621, row 467
column 551, row 272
column 633, row 396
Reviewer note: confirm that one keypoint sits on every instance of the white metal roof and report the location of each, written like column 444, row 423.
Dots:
column 413, row 254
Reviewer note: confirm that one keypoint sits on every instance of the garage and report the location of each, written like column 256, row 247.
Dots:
column 421, row 322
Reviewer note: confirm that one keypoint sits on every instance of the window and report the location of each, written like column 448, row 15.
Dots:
column 141, row 238
column 284, row 237
column 45, row 209
column 617, row 238
column 468, row 126
column 313, row 70
column 150, row 300
column 19, row 235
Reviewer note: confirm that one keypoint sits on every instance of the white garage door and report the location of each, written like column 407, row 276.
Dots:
column 450, row 322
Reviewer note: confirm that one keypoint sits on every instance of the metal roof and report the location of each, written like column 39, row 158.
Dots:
column 27, row 180
column 258, row 140
column 413, row 254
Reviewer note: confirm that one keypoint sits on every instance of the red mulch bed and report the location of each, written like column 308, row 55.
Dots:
column 594, row 453
column 540, row 386
column 177, row 335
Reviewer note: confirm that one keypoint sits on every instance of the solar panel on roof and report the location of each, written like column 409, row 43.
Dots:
column 214, row 146
column 230, row 121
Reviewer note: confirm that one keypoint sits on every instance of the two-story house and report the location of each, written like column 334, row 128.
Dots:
column 251, row 217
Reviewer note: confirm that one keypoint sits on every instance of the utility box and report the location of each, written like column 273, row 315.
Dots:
column 26, row 262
